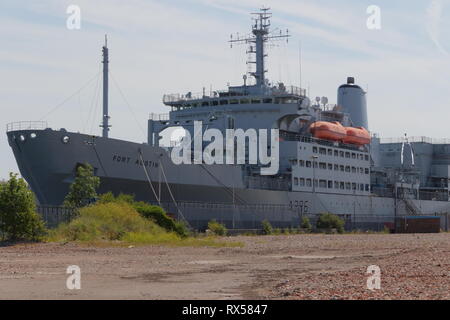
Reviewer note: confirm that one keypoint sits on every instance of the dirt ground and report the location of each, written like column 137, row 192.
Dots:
column 273, row 267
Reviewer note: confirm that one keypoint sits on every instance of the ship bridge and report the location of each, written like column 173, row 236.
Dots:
column 280, row 94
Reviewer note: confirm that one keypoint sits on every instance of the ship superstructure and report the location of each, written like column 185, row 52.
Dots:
column 328, row 161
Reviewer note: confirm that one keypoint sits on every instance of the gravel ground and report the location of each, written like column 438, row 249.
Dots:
column 275, row 267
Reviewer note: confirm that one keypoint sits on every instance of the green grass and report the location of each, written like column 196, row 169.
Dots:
column 119, row 224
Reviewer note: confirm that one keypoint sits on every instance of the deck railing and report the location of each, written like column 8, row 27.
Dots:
column 26, row 125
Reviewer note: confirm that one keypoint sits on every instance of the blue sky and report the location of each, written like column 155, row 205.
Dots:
column 160, row 47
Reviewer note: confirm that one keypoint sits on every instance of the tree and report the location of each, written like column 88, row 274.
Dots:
column 83, row 189
column 18, row 217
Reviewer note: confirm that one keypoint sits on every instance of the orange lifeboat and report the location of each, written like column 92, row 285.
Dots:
column 333, row 131
column 359, row 136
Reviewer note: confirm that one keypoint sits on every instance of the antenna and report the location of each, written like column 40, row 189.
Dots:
column 105, row 124
column 261, row 34
column 300, row 61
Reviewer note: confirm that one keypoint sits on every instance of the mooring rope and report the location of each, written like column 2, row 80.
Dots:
column 148, row 178
column 171, row 195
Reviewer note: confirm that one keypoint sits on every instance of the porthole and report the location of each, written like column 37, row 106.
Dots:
column 65, row 139
column 33, row 135
column 22, row 138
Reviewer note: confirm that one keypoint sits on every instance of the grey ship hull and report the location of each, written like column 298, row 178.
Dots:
column 49, row 167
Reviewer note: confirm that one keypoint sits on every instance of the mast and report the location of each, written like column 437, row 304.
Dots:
column 105, row 125
column 257, row 41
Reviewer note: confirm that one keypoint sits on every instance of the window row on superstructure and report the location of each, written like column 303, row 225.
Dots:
column 331, row 184
column 341, row 154
column 330, row 166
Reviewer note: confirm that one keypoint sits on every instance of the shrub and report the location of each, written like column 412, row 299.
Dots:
column 110, row 221
column 267, row 227
column 119, row 221
column 277, row 231
column 18, row 217
column 155, row 213
column 330, row 221
column 306, row 224
column 217, row 228
column 109, row 197
column 158, row 215
column 83, row 189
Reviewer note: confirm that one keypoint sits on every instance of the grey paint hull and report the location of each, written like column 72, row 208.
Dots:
column 49, row 167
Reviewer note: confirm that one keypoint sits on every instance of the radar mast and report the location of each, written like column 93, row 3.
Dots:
column 261, row 34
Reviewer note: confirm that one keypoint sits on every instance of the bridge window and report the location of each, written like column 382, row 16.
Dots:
column 223, row 102
column 267, row 100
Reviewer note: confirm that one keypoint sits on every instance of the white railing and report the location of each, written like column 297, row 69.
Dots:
column 415, row 140
column 159, row 117
column 176, row 97
column 291, row 90
column 26, row 125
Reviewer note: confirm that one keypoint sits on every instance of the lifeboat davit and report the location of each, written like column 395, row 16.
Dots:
column 359, row 136
column 333, row 131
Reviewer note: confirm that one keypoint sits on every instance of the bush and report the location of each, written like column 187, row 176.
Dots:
column 217, row 228
column 158, row 215
column 267, row 227
column 154, row 213
column 110, row 221
column 330, row 221
column 109, row 197
column 119, row 221
column 18, row 217
column 306, row 224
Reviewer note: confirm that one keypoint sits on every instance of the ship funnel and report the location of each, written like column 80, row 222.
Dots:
column 352, row 98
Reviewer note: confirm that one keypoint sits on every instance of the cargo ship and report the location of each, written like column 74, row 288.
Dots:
column 328, row 160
